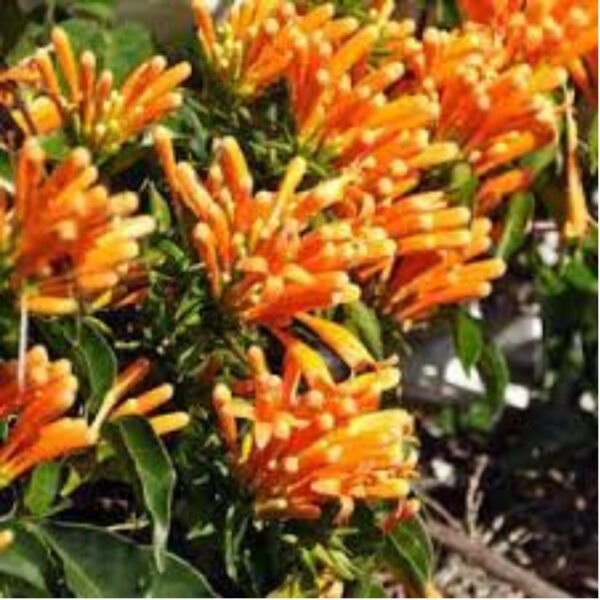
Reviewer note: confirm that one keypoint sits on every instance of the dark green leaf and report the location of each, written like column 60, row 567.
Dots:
column 154, row 472
column 43, row 487
column 103, row 565
column 408, row 553
column 468, row 339
column 25, row 559
column 516, row 222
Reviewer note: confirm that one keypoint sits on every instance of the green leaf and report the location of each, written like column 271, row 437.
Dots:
column 120, row 49
column 581, row 276
column 539, row 160
column 516, row 221
column 154, row 472
column 99, row 564
column 463, row 184
column 126, row 47
column 93, row 358
column 25, row 559
column 468, row 339
column 494, row 373
column 43, row 487
column 363, row 321
column 408, row 552
column 160, row 210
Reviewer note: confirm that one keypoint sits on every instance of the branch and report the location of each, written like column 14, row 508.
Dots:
column 492, row 562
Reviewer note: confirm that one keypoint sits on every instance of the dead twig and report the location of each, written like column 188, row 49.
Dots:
column 494, row 563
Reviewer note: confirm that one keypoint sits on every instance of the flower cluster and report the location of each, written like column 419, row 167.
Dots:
column 395, row 112
column 73, row 94
column 265, row 261
column 314, row 440
column 39, row 393
column 84, row 246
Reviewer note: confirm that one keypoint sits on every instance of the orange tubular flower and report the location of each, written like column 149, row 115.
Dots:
column 501, row 119
column 313, row 441
column 255, row 43
column 265, row 257
column 86, row 242
column 117, row 403
column 421, row 283
column 343, row 104
column 424, row 222
column 38, row 393
column 558, row 32
column 104, row 117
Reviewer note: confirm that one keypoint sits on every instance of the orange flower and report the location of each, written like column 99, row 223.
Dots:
column 313, row 441
column 117, row 403
column 254, row 44
column 39, row 393
column 424, row 221
column 422, row 282
column 501, row 119
column 86, row 242
column 558, row 32
column 101, row 115
column 342, row 103
column 265, row 256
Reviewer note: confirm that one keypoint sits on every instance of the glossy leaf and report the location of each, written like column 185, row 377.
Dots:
column 99, row 564
column 26, row 559
column 149, row 460
column 408, row 553
column 43, row 487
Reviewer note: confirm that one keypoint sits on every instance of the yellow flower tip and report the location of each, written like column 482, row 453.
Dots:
column 183, row 70
column 7, row 537
column 221, row 395
column 170, row 423
column 161, row 134
column 33, row 152
column 59, row 36
column 88, row 60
